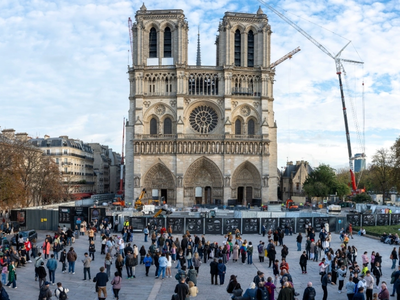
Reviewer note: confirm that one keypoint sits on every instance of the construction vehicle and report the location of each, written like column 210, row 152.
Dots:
column 148, row 209
column 339, row 70
column 290, row 205
column 118, row 201
column 138, row 203
column 163, row 212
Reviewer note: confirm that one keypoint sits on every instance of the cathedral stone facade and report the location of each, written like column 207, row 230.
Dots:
column 201, row 134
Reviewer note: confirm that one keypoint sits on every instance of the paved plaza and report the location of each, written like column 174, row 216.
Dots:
column 143, row 287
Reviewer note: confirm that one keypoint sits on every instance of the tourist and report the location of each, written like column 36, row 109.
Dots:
column 214, row 271
column 182, row 289
column 162, row 266
column 359, row 295
column 326, row 279
column 86, row 266
column 45, row 292
column 250, row 253
column 193, row 290
column 119, row 263
column 299, row 239
column 235, row 255
column 71, row 257
column 309, row 292
column 107, row 264
column 369, row 282
column 303, row 262
column 350, row 288
column 92, row 249
column 147, row 263
column 286, row 293
column 42, row 274
column 12, row 279
column 116, row 284
column 52, row 267
column 192, row 275
column 101, row 280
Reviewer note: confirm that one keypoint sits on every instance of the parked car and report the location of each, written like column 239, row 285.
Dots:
column 31, row 234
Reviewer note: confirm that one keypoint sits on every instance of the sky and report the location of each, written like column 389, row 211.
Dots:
column 63, row 70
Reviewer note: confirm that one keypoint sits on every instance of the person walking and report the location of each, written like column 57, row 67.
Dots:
column 92, row 250
column 214, row 271
column 42, row 274
column 86, row 266
column 12, row 279
column 394, row 257
column 129, row 264
column 52, row 267
column 303, row 262
column 119, row 263
column 377, row 271
column 45, row 292
column 61, row 292
column 196, row 262
column 38, row 261
column 71, row 258
column 147, row 263
column 181, row 289
column 101, row 280
column 250, row 253
column 116, row 284
column 162, row 266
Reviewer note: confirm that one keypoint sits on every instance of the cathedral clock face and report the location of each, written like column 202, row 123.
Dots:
column 203, row 119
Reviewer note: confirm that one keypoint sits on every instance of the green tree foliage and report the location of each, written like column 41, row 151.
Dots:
column 382, row 171
column 323, row 182
column 396, row 163
column 362, row 198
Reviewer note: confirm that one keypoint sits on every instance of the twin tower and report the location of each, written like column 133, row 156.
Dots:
column 201, row 134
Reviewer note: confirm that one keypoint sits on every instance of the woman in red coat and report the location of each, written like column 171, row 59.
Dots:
column 46, row 248
column 28, row 247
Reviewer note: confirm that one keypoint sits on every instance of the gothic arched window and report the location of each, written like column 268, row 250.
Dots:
column 250, row 49
column 153, row 126
column 153, row 43
column 238, row 127
column 167, row 126
column 251, row 127
column 238, row 42
column 167, row 42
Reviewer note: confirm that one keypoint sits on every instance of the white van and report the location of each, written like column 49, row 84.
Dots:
column 148, row 209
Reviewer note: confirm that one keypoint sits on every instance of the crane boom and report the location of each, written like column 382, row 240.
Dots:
column 339, row 68
column 285, row 57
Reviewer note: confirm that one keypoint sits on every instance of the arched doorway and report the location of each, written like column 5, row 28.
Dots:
column 159, row 183
column 246, row 183
column 203, row 180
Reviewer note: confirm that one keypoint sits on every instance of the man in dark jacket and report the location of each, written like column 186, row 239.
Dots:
column 214, row 271
column 303, row 262
column 259, row 278
column 71, row 257
column 325, row 280
column 3, row 293
column 286, row 293
column 101, row 280
column 262, row 292
column 181, row 289
column 42, row 274
column 309, row 292
column 45, row 292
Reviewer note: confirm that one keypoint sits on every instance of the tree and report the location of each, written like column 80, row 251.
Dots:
column 323, row 182
column 382, row 171
column 396, row 163
column 362, row 198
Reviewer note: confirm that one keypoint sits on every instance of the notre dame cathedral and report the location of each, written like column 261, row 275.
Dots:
column 201, row 134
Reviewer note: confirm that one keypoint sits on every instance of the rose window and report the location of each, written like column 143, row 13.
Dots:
column 203, row 119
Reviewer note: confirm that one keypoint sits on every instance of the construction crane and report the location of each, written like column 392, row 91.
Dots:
column 339, row 69
column 285, row 57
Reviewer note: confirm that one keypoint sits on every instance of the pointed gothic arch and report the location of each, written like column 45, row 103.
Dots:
column 246, row 183
column 159, row 177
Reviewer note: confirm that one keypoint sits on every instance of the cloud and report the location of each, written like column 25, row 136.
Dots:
column 64, row 65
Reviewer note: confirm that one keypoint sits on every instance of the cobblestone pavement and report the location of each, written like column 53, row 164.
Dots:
column 143, row 287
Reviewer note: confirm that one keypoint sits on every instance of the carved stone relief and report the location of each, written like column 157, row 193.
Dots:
column 160, row 109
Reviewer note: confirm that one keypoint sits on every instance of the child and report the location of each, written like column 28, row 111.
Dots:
column 4, row 273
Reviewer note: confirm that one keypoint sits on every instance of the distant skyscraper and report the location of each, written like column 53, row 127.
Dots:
column 359, row 162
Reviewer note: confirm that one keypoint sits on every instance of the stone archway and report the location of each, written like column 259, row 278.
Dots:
column 205, row 174
column 246, row 183
column 160, row 178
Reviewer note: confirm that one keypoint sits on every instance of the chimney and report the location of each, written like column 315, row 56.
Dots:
column 22, row 136
column 65, row 137
column 46, row 136
column 8, row 133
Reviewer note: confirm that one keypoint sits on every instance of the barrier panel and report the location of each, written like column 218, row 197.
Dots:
column 195, row 225
column 213, row 225
column 332, row 221
column 394, row 219
column 368, row 220
column 382, row 220
column 319, row 223
column 286, row 223
column 153, row 222
column 270, row 223
column 250, row 225
column 354, row 219
column 301, row 224
column 230, row 225
column 177, row 225
column 138, row 223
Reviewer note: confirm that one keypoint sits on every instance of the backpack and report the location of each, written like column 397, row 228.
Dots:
column 175, row 297
column 62, row 295
column 42, row 294
column 269, row 289
column 311, row 294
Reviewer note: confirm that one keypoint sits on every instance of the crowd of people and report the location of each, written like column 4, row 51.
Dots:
column 189, row 252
